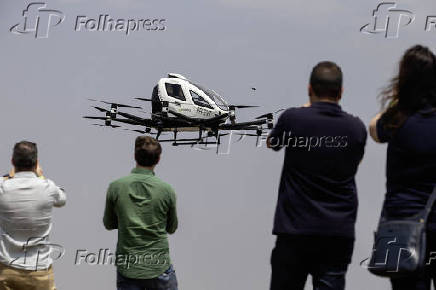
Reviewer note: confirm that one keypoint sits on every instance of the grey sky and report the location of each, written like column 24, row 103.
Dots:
column 226, row 203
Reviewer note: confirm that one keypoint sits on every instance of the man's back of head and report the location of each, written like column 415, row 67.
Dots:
column 326, row 81
column 25, row 156
column 147, row 151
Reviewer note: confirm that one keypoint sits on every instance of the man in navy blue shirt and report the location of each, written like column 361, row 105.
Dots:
column 317, row 202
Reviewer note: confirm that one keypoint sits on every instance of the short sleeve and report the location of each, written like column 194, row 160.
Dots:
column 383, row 134
column 276, row 135
column 57, row 194
column 110, row 219
column 172, row 220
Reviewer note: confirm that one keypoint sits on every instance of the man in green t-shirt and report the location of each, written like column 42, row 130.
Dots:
column 143, row 209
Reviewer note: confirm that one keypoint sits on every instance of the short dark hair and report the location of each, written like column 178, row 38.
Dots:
column 25, row 156
column 147, row 151
column 326, row 80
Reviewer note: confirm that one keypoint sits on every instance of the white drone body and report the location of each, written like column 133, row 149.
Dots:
column 190, row 100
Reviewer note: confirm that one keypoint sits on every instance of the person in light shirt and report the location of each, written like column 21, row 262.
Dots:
column 26, row 203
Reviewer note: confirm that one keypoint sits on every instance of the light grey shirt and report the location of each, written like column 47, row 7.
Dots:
column 26, row 203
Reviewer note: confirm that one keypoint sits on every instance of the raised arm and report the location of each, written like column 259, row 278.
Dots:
column 275, row 139
column 57, row 193
column 373, row 128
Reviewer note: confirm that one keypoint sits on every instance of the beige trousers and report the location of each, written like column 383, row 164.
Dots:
column 17, row 279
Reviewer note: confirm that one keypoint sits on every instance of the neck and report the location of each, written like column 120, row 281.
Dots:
column 25, row 170
column 327, row 100
column 145, row 167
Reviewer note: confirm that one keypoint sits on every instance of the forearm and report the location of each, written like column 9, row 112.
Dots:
column 373, row 127
column 172, row 222
column 110, row 223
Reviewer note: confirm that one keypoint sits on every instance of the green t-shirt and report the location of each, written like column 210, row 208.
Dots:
column 143, row 209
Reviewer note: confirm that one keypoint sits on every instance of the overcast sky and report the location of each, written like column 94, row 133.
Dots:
column 226, row 202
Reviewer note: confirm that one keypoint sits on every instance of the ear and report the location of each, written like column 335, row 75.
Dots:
column 340, row 94
column 311, row 93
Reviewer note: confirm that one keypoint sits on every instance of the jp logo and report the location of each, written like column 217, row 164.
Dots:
column 38, row 246
column 388, row 20
column 38, row 20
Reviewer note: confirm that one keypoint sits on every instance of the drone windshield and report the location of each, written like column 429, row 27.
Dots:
column 215, row 98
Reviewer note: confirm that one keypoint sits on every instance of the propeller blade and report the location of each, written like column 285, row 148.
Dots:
column 243, row 106
column 144, row 99
column 116, row 104
column 144, row 132
column 121, row 105
column 264, row 116
column 113, row 126
column 269, row 114
column 101, row 109
column 139, row 131
column 250, row 134
column 94, row 118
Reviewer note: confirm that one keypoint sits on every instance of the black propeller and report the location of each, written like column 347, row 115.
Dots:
column 113, row 126
column 101, row 109
column 144, row 99
column 250, row 134
column 95, row 118
column 116, row 104
column 242, row 106
column 269, row 115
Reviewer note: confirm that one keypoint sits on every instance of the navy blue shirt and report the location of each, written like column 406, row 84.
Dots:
column 410, row 165
column 317, row 192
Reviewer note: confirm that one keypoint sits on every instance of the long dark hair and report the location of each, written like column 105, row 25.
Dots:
column 413, row 89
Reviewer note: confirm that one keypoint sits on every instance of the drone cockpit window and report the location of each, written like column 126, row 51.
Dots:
column 175, row 91
column 199, row 100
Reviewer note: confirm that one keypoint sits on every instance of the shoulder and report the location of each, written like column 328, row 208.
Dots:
column 165, row 188
column 422, row 119
column 120, row 181
column 164, row 185
column 48, row 184
column 354, row 120
column 292, row 114
column 295, row 111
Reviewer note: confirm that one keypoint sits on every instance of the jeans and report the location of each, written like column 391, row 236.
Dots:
column 166, row 281
column 326, row 259
column 420, row 281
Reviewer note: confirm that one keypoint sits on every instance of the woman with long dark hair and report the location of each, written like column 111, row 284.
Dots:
column 408, row 125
